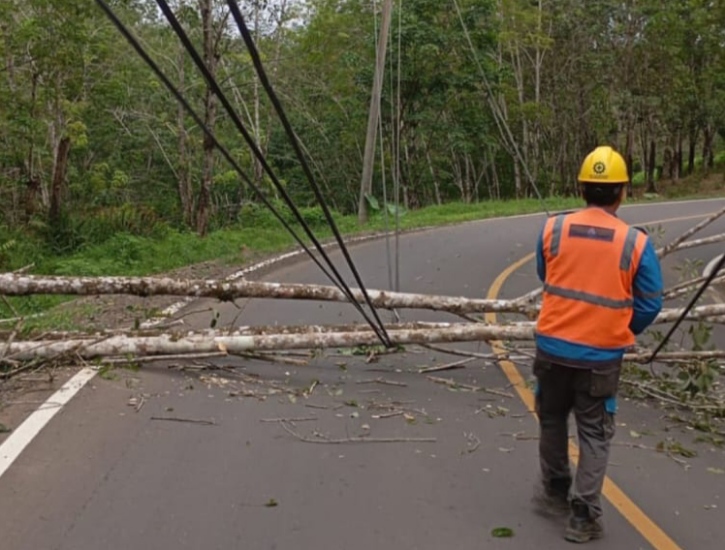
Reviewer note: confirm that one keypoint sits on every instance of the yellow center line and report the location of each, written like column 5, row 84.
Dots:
column 618, row 498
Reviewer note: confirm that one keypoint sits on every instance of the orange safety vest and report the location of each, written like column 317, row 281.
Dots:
column 591, row 261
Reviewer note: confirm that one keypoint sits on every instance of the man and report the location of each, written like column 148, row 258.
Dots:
column 602, row 286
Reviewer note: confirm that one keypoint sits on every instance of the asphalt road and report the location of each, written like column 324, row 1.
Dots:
column 204, row 463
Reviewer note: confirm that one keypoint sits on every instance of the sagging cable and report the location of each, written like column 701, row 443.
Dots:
column 249, row 41
column 225, row 153
column 214, row 85
column 716, row 269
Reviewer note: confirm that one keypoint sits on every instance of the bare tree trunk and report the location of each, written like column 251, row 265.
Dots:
column 651, row 187
column 183, row 173
column 366, row 182
column 629, row 157
column 694, row 132
column 210, row 107
column 436, row 185
column 33, row 187
column 58, row 182
column 258, row 168
column 496, row 182
column 708, row 157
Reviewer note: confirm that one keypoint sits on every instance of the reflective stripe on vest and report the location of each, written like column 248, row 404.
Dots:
column 556, row 234
column 591, row 259
column 629, row 244
column 589, row 298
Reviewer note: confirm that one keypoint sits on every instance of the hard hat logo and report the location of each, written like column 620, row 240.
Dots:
column 603, row 166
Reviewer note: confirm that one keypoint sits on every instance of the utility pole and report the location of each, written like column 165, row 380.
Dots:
column 366, row 182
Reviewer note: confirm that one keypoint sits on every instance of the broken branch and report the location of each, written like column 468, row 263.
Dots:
column 357, row 439
column 675, row 245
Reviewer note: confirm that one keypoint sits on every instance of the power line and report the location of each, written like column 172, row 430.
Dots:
column 248, row 40
column 211, row 81
column 687, row 309
column 174, row 90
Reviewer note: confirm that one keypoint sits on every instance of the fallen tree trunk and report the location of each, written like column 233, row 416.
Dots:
column 292, row 337
column 524, row 330
column 686, row 287
column 720, row 237
column 677, row 243
column 12, row 284
column 174, row 344
column 711, row 313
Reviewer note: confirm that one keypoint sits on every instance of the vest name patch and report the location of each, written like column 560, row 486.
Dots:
column 591, row 232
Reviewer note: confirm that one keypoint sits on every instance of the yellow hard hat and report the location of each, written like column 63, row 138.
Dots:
column 602, row 166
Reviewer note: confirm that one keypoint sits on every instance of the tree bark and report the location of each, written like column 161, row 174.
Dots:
column 629, row 158
column 708, row 156
column 677, row 243
column 691, row 155
column 183, row 173
column 12, row 284
column 309, row 337
column 651, row 187
column 58, row 182
column 33, row 187
column 210, row 110
column 174, row 344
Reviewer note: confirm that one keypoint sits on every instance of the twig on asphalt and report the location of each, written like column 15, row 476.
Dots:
column 664, row 451
column 666, row 397
column 137, row 402
column 186, row 420
column 463, row 353
column 153, row 358
column 388, row 415
column 312, row 387
column 313, row 406
column 447, row 366
column 272, row 358
column 357, row 439
column 290, row 420
column 453, row 384
column 383, row 381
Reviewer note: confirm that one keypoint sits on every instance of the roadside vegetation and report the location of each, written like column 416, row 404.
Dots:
column 483, row 105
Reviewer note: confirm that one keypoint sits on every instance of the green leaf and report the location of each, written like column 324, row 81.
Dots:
column 502, row 532
column 373, row 202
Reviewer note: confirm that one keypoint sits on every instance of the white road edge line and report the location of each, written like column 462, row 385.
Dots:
column 22, row 436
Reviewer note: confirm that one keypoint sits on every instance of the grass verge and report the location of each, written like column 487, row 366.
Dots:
column 259, row 233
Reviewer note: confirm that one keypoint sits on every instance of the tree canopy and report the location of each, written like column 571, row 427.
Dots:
column 481, row 99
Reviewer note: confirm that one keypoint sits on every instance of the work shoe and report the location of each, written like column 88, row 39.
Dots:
column 551, row 499
column 582, row 527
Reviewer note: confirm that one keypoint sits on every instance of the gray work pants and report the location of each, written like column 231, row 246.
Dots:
column 560, row 391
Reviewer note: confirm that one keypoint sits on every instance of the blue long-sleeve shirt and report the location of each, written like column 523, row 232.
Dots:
column 647, row 290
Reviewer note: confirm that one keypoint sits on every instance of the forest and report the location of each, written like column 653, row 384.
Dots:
column 480, row 100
